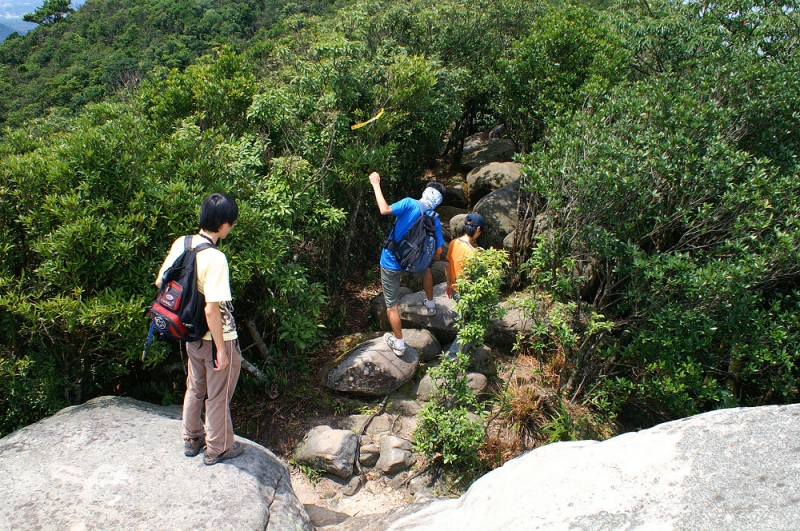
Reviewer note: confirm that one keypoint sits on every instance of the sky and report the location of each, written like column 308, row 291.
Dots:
column 17, row 8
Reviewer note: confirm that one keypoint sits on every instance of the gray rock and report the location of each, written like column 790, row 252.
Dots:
column 457, row 195
column 117, row 463
column 322, row 517
column 371, row 369
column 396, row 455
column 424, row 342
column 476, row 141
column 446, row 214
column 403, row 406
column 414, row 315
column 399, row 481
column 480, row 357
column 420, row 483
column 477, row 382
column 493, row 150
column 727, row 470
column 380, row 425
column 328, row 450
column 425, row 388
column 457, row 225
column 492, row 176
column 499, row 210
column 368, row 455
column 508, row 241
column 350, row 489
column 504, row 330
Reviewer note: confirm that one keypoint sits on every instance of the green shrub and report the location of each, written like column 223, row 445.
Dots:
column 659, row 193
column 449, row 431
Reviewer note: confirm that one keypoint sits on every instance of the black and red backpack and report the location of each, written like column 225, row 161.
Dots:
column 178, row 312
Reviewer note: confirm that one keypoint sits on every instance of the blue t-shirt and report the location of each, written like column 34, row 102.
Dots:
column 406, row 211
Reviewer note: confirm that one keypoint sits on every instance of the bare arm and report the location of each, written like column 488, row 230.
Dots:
column 383, row 206
column 449, row 289
column 214, row 320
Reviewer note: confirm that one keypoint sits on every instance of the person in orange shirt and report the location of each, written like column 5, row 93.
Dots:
column 462, row 248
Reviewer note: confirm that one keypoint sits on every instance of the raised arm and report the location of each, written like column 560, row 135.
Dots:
column 383, row 206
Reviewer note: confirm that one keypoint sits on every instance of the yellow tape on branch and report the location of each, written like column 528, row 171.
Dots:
column 362, row 124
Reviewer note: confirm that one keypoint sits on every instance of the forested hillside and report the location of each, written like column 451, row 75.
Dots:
column 107, row 46
column 658, row 240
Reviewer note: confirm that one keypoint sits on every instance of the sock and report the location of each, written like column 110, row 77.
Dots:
column 429, row 303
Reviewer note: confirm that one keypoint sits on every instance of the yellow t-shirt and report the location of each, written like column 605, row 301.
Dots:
column 213, row 281
column 457, row 253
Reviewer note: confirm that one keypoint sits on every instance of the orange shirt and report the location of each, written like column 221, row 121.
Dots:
column 457, row 253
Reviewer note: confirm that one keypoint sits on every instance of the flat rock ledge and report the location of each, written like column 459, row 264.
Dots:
column 116, row 463
column 727, row 470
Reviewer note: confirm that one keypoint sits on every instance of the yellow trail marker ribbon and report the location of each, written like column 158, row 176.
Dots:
column 362, row 124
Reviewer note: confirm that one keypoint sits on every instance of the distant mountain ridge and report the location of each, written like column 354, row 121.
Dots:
column 11, row 25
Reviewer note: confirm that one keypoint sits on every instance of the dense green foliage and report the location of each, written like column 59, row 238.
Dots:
column 108, row 47
column 675, row 193
column 659, row 230
column 91, row 202
column 449, row 431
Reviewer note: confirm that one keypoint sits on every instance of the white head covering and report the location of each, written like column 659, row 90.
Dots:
column 431, row 197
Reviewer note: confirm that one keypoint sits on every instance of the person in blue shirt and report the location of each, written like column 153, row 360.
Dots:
column 407, row 211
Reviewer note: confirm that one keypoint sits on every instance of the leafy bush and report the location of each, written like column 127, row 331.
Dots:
column 449, row 432
column 659, row 193
column 90, row 217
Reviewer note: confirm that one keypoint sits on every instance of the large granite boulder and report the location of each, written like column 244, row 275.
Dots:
column 727, row 470
column 116, row 463
column 505, row 329
column 424, row 342
column 499, row 210
column 414, row 315
column 371, row 369
column 492, row 150
column 443, row 325
column 492, row 176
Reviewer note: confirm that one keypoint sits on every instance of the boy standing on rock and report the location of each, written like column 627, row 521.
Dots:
column 407, row 211
column 215, row 360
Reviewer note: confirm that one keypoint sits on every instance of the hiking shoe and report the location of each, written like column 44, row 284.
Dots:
column 431, row 310
column 230, row 453
column 192, row 447
column 392, row 342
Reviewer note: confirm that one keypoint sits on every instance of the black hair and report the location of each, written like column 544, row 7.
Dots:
column 438, row 187
column 470, row 230
column 216, row 210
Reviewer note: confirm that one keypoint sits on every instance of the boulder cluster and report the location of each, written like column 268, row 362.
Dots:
column 379, row 446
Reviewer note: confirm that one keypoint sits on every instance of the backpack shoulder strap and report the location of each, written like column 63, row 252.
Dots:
column 187, row 244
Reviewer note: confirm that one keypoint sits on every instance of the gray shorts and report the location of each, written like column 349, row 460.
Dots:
column 391, row 286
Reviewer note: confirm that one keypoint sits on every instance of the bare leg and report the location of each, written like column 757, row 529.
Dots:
column 427, row 284
column 393, row 314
